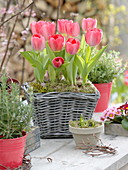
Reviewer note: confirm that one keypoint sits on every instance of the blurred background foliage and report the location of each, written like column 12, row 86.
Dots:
column 112, row 16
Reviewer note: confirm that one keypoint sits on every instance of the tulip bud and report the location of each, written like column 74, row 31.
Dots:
column 57, row 62
column 93, row 36
column 38, row 42
column 56, row 42
column 72, row 46
column 88, row 23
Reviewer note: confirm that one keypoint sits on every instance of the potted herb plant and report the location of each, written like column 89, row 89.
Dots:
column 85, row 132
column 14, row 124
column 57, row 59
column 102, row 74
column 116, row 120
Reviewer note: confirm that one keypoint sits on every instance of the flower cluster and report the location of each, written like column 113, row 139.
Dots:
column 62, row 54
column 117, row 115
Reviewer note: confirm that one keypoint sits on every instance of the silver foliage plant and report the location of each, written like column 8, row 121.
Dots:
column 107, row 68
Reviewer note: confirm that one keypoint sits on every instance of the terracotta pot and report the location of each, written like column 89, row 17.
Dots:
column 86, row 136
column 105, row 91
column 11, row 152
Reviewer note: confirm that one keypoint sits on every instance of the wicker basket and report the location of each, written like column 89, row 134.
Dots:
column 53, row 111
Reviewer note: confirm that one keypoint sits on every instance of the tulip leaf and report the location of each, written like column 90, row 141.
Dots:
column 50, row 52
column 79, row 62
column 82, row 44
column 75, row 69
column 70, row 71
column 52, row 73
column 95, row 59
column 29, row 57
column 67, row 56
column 60, row 53
column 88, row 54
column 84, row 74
column 45, row 62
column 39, row 74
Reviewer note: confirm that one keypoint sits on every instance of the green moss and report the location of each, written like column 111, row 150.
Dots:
column 62, row 86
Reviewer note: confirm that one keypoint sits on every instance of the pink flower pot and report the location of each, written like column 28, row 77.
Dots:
column 105, row 91
column 11, row 152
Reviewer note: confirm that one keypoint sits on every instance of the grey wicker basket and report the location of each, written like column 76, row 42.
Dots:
column 54, row 110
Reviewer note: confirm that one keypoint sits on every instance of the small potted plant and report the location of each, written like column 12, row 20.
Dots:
column 15, row 120
column 116, row 120
column 85, row 132
column 102, row 74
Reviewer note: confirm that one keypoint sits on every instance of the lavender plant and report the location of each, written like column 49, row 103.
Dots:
column 15, row 116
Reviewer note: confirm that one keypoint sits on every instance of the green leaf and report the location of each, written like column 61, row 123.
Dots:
column 39, row 74
column 125, row 123
column 84, row 74
column 88, row 54
column 82, row 43
column 70, row 71
column 60, row 53
column 95, row 59
column 50, row 53
column 74, row 71
column 80, row 63
column 52, row 73
column 29, row 57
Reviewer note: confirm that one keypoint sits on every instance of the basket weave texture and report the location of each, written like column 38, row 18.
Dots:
column 54, row 110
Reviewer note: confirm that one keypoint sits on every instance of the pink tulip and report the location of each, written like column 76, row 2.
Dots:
column 36, row 26
column 56, row 42
column 72, row 46
column 88, row 23
column 72, row 29
column 93, row 36
column 48, row 29
column 57, row 62
column 44, row 28
column 61, row 25
column 38, row 42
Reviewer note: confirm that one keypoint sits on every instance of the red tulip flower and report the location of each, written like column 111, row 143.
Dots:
column 93, row 36
column 56, row 42
column 44, row 28
column 38, row 42
column 57, row 62
column 72, row 46
column 88, row 23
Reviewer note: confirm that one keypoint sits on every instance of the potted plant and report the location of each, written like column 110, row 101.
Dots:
column 58, row 59
column 85, row 132
column 14, row 124
column 116, row 120
column 103, row 73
